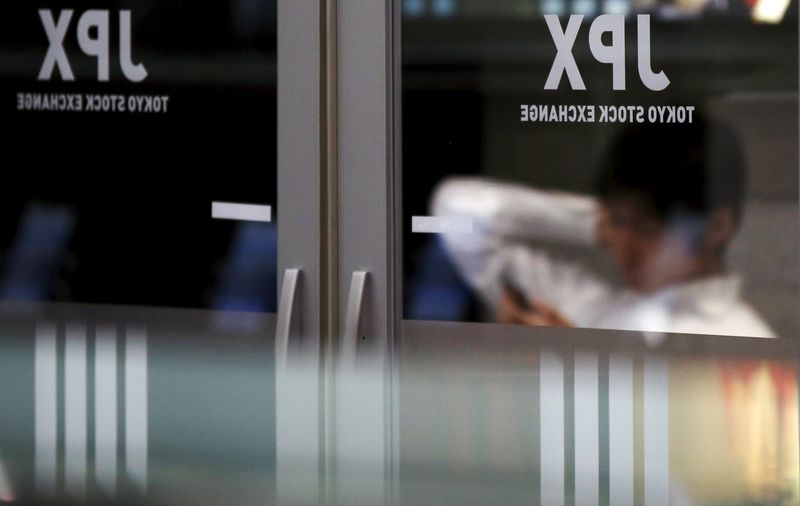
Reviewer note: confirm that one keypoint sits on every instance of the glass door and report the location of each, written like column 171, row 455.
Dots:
column 599, row 253
column 140, row 259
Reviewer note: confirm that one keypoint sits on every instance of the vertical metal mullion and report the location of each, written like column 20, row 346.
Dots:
column 329, row 234
column 302, row 191
column 395, row 34
column 367, row 223
column 330, row 169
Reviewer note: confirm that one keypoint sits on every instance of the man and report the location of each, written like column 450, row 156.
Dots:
column 669, row 201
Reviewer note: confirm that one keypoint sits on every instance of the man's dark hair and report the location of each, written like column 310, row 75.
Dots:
column 676, row 169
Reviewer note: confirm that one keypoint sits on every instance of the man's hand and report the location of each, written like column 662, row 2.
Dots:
column 540, row 314
column 602, row 227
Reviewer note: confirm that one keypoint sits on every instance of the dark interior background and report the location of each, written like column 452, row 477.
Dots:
column 116, row 208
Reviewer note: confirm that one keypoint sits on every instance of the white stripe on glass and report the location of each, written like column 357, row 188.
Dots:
column 441, row 225
column 656, row 432
column 45, row 409
column 136, row 437
column 241, row 212
column 620, row 430
column 587, row 437
column 551, row 423
column 105, row 388
column 75, row 410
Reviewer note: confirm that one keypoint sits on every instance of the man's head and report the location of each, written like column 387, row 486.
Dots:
column 672, row 199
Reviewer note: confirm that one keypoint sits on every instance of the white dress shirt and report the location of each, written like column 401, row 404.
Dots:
column 509, row 224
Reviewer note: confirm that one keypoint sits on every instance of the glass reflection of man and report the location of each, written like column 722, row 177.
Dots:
column 669, row 201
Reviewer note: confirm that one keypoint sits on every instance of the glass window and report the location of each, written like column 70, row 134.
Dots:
column 625, row 165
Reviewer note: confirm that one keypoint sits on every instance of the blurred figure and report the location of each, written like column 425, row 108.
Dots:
column 668, row 202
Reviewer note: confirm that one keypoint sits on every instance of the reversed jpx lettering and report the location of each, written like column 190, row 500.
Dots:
column 613, row 54
column 97, row 46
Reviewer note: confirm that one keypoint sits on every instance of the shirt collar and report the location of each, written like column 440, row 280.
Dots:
column 709, row 295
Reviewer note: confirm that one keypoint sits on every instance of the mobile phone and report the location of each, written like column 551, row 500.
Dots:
column 516, row 293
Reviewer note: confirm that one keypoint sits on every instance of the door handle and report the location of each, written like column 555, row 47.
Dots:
column 354, row 317
column 287, row 320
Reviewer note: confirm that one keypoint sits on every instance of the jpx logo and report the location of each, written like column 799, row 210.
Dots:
column 613, row 54
column 93, row 32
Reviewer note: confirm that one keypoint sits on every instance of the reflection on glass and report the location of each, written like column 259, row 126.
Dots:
column 135, row 334
column 617, row 206
column 668, row 205
column 6, row 493
column 116, row 205
column 560, row 423
column 166, row 408
column 763, row 11
column 749, row 429
column 652, row 188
